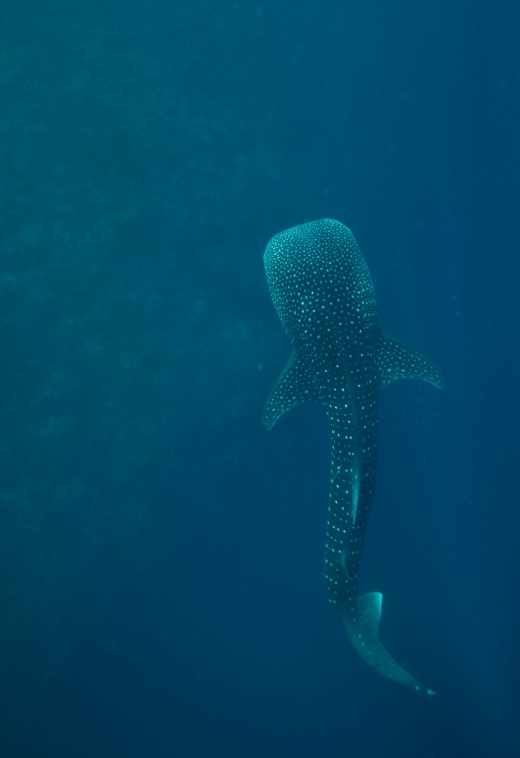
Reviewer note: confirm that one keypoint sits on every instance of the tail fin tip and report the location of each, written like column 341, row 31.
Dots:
column 362, row 628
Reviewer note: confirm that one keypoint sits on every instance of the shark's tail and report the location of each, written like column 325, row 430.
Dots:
column 362, row 628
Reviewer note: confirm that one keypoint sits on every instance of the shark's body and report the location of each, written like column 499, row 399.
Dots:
column 323, row 293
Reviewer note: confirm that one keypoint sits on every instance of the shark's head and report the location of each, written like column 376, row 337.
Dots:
column 320, row 285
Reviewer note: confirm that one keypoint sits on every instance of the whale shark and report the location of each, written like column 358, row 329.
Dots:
column 324, row 295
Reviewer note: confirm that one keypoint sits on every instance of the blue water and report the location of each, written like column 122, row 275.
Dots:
column 161, row 576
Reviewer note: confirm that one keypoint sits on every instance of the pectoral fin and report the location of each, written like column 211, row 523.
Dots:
column 397, row 360
column 293, row 386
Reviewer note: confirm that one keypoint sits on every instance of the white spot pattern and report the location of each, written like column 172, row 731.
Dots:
column 323, row 292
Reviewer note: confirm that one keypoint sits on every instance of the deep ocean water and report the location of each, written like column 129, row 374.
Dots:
column 161, row 554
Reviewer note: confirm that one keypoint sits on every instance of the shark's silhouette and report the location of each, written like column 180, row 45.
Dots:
column 323, row 293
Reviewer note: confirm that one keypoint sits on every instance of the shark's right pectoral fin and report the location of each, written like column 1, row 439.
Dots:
column 397, row 360
column 293, row 386
column 362, row 629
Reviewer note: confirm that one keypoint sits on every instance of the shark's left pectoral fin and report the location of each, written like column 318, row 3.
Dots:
column 293, row 386
column 397, row 360
column 362, row 629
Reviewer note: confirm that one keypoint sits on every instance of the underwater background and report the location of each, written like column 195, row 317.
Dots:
column 161, row 554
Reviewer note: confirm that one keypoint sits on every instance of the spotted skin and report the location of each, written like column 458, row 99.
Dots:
column 323, row 293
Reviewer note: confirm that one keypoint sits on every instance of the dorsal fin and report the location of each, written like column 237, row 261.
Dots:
column 397, row 360
column 293, row 386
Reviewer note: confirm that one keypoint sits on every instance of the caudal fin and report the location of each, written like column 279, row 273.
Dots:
column 362, row 629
